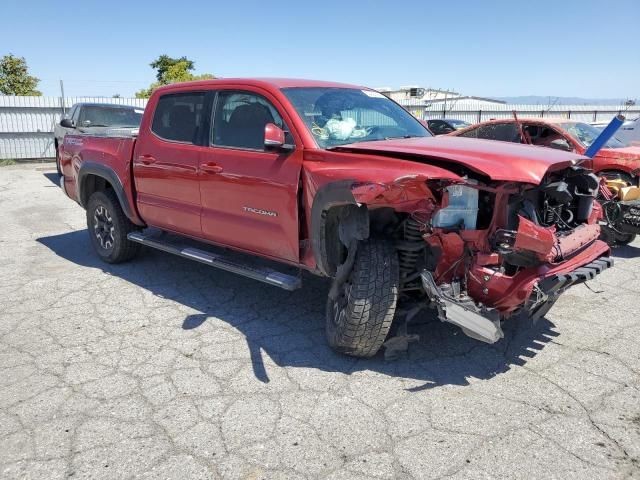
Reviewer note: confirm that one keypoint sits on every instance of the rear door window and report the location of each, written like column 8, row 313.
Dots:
column 179, row 117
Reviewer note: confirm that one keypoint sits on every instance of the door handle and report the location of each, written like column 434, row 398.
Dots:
column 147, row 159
column 211, row 168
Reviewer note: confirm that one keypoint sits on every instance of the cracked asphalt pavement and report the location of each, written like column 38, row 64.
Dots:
column 165, row 368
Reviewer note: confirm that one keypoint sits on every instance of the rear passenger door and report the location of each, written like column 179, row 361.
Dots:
column 166, row 162
column 250, row 193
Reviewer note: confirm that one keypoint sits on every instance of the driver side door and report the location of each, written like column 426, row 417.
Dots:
column 250, row 193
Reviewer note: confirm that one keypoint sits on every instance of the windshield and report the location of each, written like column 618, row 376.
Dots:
column 586, row 134
column 98, row 116
column 338, row 116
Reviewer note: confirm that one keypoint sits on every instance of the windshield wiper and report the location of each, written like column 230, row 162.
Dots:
column 402, row 136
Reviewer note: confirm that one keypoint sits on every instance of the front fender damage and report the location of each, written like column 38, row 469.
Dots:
column 404, row 194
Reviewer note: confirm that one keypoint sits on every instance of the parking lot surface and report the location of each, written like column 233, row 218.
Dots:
column 165, row 368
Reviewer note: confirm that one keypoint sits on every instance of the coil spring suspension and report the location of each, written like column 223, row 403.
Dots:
column 410, row 249
column 549, row 216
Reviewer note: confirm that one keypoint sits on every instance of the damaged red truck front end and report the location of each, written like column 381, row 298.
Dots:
column 341, row 181
column 499, row 234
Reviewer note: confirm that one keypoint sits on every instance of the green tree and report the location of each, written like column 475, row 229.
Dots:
column 171, row 70
column 15, row 78
column 164, row 62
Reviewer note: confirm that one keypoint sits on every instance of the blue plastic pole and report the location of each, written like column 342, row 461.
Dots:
column 605, row 136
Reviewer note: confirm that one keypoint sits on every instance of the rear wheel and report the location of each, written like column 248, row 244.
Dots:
column 108, row 228
column 359, row 319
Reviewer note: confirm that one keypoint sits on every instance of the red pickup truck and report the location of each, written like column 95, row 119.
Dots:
column 341, row 181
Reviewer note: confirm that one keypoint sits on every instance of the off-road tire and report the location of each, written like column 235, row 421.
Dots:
column 358, row 322
column 117, row 248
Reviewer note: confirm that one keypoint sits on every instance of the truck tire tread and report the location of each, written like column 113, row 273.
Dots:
column 371, row 301
column 123, row 249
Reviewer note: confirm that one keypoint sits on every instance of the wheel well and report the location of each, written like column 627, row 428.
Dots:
column 93, row 183
column 333, row 252
column 342, row 224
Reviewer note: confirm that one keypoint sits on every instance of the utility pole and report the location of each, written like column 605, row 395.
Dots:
column 64, row 110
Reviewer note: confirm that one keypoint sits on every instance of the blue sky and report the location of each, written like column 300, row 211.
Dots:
column 488, row 48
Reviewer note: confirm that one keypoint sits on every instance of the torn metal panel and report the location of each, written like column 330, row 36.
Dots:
column 459, row 309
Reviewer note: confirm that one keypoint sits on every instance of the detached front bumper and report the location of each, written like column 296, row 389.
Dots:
column 551, row 287
column 509, row 293
column 561, row 281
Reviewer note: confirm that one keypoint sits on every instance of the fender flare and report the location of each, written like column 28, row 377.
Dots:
column 100, row 170
column 331, row 195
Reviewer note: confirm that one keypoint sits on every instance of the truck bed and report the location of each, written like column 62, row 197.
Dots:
column 113, row 152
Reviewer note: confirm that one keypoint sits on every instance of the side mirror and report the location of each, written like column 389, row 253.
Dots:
column 67, row 123
column 561, row 144
column 274, row 137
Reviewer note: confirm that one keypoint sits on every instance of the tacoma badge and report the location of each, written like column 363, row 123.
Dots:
column 259, row 211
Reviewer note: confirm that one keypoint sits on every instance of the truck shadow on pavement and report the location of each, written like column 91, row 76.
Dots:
column 53, row 177
column 625, row 251
column 289, row 326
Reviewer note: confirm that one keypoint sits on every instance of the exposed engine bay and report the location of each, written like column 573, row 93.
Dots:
column 462, row 255
column 543, row 217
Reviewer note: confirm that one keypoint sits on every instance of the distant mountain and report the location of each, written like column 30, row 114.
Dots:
column 542, row 100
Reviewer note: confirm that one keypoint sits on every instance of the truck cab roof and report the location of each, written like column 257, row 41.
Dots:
column 266, row 82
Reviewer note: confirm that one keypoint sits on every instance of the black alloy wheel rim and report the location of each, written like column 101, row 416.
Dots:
column 103, row 227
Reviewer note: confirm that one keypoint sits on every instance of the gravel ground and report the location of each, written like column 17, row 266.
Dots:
column 165, row 368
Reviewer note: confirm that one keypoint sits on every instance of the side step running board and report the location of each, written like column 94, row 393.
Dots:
column 262, row 274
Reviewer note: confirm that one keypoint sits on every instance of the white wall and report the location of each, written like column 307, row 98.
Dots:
column 26, row 123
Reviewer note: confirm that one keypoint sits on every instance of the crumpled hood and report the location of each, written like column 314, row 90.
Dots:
column 502, row 161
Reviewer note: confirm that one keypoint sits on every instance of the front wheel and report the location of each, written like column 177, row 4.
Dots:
column 359, row 318
column 108, row 228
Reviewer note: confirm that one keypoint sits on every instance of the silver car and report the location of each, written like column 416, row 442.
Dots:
column 97, row 118
column 628, row 133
